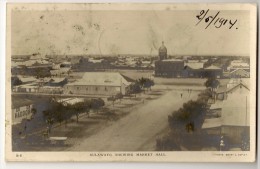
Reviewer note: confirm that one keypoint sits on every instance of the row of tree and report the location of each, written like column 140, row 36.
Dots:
column 186, row 122
column 62, row 112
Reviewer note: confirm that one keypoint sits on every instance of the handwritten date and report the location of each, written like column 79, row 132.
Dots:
column 215, row 20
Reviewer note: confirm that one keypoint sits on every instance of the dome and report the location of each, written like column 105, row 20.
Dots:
column 162, row 52
column 162, row 48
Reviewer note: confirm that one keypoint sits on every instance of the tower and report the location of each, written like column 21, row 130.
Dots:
column 162, row 52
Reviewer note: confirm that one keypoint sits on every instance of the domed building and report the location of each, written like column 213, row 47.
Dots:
column 162, row 52
column 165, row 67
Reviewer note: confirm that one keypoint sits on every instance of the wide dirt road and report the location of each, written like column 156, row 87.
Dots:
column 139, row 127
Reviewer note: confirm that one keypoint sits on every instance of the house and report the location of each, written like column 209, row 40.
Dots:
column 233, row 120
column 21, row 110
column 25, row 84
column 99, row 83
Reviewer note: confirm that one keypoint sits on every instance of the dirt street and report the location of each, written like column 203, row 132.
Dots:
column 137, row 130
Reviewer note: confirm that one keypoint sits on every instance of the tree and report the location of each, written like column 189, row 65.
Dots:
column 190, row 117
column 49, row 119
column 96, row 104
column 135, row 88
column 57, row 112
column 212, row 83
column 77, row 109
column 41, row 73
column 33, row 111
column 87, row 106
column 146, row 83
column 112, row 99
column 118, row 96
column 16, row 81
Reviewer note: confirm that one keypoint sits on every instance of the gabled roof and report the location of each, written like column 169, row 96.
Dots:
column 27, row 79
column 232, row 85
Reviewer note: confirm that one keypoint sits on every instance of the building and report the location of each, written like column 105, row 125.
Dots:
column 239, row 73
column 21, row 110
column 27, row 88
column 213, row 71
column 169, row 68
column 238, row 64
column 193, row 69
column 233, row 85
column 228, row 118
column 99, row 83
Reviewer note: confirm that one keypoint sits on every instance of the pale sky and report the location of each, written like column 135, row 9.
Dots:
column 126, row 32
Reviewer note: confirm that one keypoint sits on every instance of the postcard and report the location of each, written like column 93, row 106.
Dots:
column 131, row 82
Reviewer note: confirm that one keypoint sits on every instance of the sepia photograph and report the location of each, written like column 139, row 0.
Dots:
column 131, row 82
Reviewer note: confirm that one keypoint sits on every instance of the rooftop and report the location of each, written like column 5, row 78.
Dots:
column 172, row 60
column 212, row 67
column 103, row 79
column 70, row 101
column 211, row 123
column 195, row 65
column 18, row 102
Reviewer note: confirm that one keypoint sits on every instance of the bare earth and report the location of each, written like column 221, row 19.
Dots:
column 138, row 130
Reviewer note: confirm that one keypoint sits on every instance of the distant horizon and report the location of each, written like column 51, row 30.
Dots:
column 139, row 55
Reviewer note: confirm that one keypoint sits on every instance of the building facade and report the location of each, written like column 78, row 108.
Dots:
column 21, row 110
column 99, row 83
column 169, row 68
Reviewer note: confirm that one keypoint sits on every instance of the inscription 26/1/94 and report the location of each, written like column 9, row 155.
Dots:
column 215, row 20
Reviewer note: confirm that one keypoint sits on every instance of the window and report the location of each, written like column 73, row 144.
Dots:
column 96, row 88
column 77, row 88
column 86, row 89
column 105, row 88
